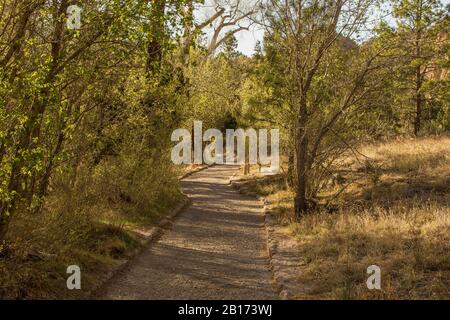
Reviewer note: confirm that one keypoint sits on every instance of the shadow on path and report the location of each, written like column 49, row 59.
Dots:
column 216, row 249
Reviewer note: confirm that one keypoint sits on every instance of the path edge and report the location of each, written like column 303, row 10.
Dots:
column 271, row 242
column 272, row 250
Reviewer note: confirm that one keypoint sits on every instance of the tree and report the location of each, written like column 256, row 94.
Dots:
column 416, row 37
column 47, row 72
column 230, row 48
column 313, row 36
column 156, row 37
column 226, row 20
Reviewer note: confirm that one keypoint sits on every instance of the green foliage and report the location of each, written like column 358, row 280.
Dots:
column 86, row 115
column 419, row 54
column 84, row 135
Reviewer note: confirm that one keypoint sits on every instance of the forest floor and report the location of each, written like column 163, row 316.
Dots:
column 215, row 249
column 395, row 214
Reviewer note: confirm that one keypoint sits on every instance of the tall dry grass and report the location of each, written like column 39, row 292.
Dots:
column 396, row 216
column 94, row 223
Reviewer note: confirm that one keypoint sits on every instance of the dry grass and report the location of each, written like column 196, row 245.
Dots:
column 410, row 245
column 93, row 226
column 399, row 220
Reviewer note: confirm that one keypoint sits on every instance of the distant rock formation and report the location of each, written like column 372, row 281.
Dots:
column 438, row 72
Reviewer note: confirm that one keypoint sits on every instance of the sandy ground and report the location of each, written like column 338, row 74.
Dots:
column 216, row 249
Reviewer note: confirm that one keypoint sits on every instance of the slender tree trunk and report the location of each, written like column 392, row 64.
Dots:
column 188, row 17
column 4, row 223
column 418, row 52
column 291, row 169
column 45, row 179
column 156, row 37
column 419, row 103
column 7, row 207
column 247, row 158
column 301, row 204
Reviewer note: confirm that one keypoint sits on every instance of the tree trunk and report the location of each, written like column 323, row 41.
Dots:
column 301, row 204
column 6, row 207
column 188, row 22
column 156, row 37
column 419, row 106
column 290, row 178
column 247, row 158
column 4, row 223
column 418, row 53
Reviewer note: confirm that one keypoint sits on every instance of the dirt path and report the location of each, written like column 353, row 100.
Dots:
column 215, row 250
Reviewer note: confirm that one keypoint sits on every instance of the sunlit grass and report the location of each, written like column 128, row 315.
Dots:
column 400, row 222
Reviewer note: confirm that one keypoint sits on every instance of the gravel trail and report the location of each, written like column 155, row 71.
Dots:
column 215, row 249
